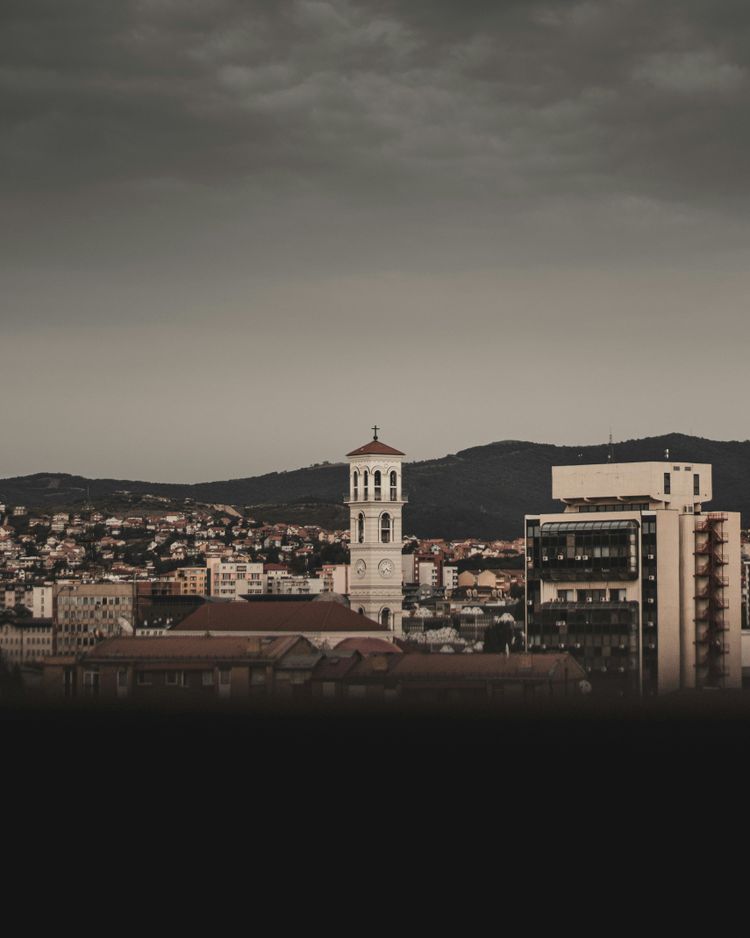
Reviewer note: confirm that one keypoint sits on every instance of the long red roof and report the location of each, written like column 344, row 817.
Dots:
column 271, row 616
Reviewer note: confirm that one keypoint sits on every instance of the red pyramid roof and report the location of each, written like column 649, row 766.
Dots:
column 375, row 448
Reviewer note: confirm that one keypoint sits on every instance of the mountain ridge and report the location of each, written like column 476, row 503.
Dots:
column 482, row 490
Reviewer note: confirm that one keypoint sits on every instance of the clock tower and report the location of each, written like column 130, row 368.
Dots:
column 375, row 504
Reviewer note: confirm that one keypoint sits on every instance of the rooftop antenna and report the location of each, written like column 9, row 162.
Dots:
column 666, row 454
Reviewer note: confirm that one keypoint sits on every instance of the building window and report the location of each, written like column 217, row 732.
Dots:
column 143, row 680
column 355, row 485
column 696, row 484
column 367, row 484
column 376, row 481
column 122, row 678
column 176, row 678
column 91, row 682
column 385, row 528
column 361, row 528
column 225, row 675
column 385, row 617
column 667, row 483
column 394, row 486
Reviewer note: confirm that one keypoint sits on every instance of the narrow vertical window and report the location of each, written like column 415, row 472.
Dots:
column 366, row 484
column 394, row 486
column 361, row 528
column 385, row 528
column 696, row 484
column 667, row 483
column 355, row 479
column 385, row 617
column 376, row 482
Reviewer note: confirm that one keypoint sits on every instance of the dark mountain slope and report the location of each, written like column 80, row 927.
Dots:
column 482, row 491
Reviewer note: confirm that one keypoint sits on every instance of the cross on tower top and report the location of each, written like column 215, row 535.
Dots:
column 375, row 432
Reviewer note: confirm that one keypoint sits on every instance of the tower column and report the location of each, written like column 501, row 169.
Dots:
column 376, row 504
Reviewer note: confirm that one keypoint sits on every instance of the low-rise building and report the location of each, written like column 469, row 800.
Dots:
column 323, row 622
column 26, row 640
column 195, row 668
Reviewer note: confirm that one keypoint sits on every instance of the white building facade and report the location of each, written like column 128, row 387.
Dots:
column 635, row 579
column 376, row 501
column 233, row 580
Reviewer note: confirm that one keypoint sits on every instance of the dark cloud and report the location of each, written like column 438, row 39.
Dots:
column 480, row 99
column 230, row 202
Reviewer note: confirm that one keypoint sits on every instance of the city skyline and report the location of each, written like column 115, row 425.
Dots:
column 232, row 229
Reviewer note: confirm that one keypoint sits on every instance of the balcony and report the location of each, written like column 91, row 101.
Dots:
column 361, row 500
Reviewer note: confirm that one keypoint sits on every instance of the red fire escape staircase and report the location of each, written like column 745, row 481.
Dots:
column 709, row 600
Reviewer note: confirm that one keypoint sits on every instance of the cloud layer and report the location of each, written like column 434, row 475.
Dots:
column 248, row 172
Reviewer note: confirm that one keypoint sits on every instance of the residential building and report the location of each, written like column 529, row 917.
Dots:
column 288, row 585
column 87, row 612
column 173, row 669
column 234, row 579
column 335, row 578
column 42, row 599
column 450, row 578
column 26, row 640
column 193, row 581
column 635, row 579
column 454, row 679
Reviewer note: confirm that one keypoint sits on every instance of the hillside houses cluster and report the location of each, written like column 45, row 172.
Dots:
column 69, row 580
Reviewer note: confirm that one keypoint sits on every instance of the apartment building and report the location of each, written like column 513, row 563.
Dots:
column 88, row 612
column 233, row 580
column 450, row 578
column 190, row 581
column 335, row 577
column 24, row 641
column 635, row 579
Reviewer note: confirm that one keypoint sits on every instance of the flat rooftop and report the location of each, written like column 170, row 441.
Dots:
column 661, row 481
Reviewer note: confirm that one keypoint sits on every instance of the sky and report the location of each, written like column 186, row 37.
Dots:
column 238, row 233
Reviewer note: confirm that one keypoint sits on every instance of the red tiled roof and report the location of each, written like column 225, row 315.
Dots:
column 375, row 448
column 190, row 648
column 436, row 665
column 277, row 617
column 368, row 646
column 332, row 669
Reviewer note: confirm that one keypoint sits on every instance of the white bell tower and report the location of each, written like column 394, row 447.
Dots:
column 375, row 505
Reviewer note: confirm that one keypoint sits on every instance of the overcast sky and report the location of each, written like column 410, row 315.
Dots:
column 235, row 234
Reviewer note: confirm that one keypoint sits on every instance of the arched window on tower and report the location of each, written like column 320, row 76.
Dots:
column 366, row 484
column 385, row 617
column 376, row 484
column 394, row 486
column 355, row 485
column 361, row 528
column 385, row 528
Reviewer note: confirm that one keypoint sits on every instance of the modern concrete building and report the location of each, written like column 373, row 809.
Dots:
column 635, row 579
column 85, row 613
column 375, row 502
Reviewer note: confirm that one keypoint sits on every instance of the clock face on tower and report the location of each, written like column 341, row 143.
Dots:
column 361, row 567
column 386, row 567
